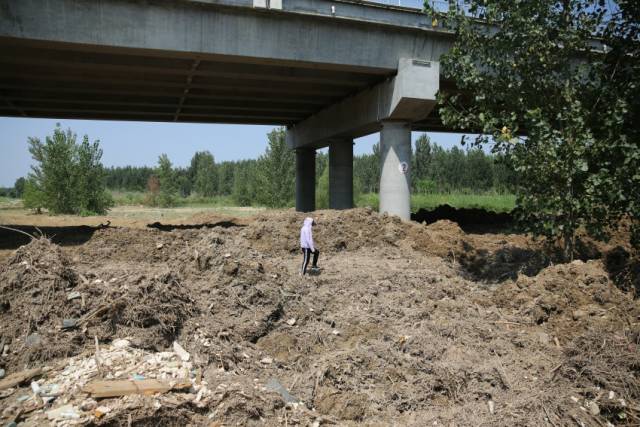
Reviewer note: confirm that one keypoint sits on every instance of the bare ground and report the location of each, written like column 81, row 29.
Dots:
column 407, row 324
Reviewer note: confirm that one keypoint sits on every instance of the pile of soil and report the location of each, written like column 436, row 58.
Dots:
column 50, row 310
column 407, row 323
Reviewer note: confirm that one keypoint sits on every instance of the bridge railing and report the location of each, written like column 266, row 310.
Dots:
column 441, row 6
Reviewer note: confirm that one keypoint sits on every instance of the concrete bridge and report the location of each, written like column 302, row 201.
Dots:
column 328, row 70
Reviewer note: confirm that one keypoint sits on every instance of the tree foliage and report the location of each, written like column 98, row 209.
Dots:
column 531, row 69
column 67, row 177
column 203, row 174
column 275, row 174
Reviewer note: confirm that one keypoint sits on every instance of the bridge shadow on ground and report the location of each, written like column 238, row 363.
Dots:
column 171, row 227
column 473, row 220
column 63, row 236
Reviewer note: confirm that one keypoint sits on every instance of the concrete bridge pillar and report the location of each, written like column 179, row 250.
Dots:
column 341, row 174
column 305, row 179
column 395, row 159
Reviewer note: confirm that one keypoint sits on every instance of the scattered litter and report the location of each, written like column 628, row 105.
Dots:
column 121, row 343
column 115, row 388
column 18, row 378
column 33, row 340
column 73, row 295
column 181, row 352
column 69, row 323
column 593, row 407
column 66, row 412
column 274, row 385
column 101, row 411
column 472, row 339
column 88, row 405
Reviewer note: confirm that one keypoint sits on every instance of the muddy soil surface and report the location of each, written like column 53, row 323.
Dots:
column 406, row 324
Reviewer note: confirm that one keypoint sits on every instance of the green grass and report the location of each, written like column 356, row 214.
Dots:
column 491, row 202
column 139, row 198
column 128, row 198
column 10, row 203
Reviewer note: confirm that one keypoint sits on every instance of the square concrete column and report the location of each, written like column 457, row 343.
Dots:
column 341, row 174
column 305, row 179
column 395, row 159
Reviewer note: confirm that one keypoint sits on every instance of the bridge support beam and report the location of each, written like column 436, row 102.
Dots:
column 395, row 177
column 305, row 179
column 341, row 174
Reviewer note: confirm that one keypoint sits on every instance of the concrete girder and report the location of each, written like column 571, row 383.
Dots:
column 409, row 96
column 227, row 29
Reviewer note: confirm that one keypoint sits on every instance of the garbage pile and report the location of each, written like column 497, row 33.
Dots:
column 49, row 310
column 406, row 324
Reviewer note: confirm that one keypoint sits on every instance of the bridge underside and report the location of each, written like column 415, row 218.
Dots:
column 61, row 80
column 328, row 70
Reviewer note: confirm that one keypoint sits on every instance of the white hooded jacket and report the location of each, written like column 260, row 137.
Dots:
column 306, row 235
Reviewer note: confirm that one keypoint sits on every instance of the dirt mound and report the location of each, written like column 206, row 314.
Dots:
column 406, row 323
column 565, row 294
column 33, row 284
column 50, row 310
column 338, row 231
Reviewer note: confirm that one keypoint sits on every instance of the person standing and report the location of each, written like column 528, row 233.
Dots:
column 308, row 248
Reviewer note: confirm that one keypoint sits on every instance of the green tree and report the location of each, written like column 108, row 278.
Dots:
column 244, row 191
column 421, row 159
column 33, row 198
column 366, row 171
column 530, row 69
column 204, row 174
column 322, row 190
column 92, row 197
column 18, row 187
column 54, row 174
column 276, row 172
column 68, row 177
column 168, row 195
column 226, row 176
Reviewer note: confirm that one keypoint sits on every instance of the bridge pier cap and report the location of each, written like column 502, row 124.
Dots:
column 408, row 97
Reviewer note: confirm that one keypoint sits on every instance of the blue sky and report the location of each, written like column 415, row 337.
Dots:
column 140, row 143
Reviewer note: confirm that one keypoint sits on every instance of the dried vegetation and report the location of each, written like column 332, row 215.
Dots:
column 407, row 323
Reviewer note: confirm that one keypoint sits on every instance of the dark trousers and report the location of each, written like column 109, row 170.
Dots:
column 306, row 253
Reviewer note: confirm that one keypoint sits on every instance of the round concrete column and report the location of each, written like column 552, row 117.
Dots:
column 305, row 179
column 341, row 174
column 395, row 159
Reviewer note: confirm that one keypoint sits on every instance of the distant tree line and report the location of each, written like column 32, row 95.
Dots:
column 69, row 177
column 270, row 179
